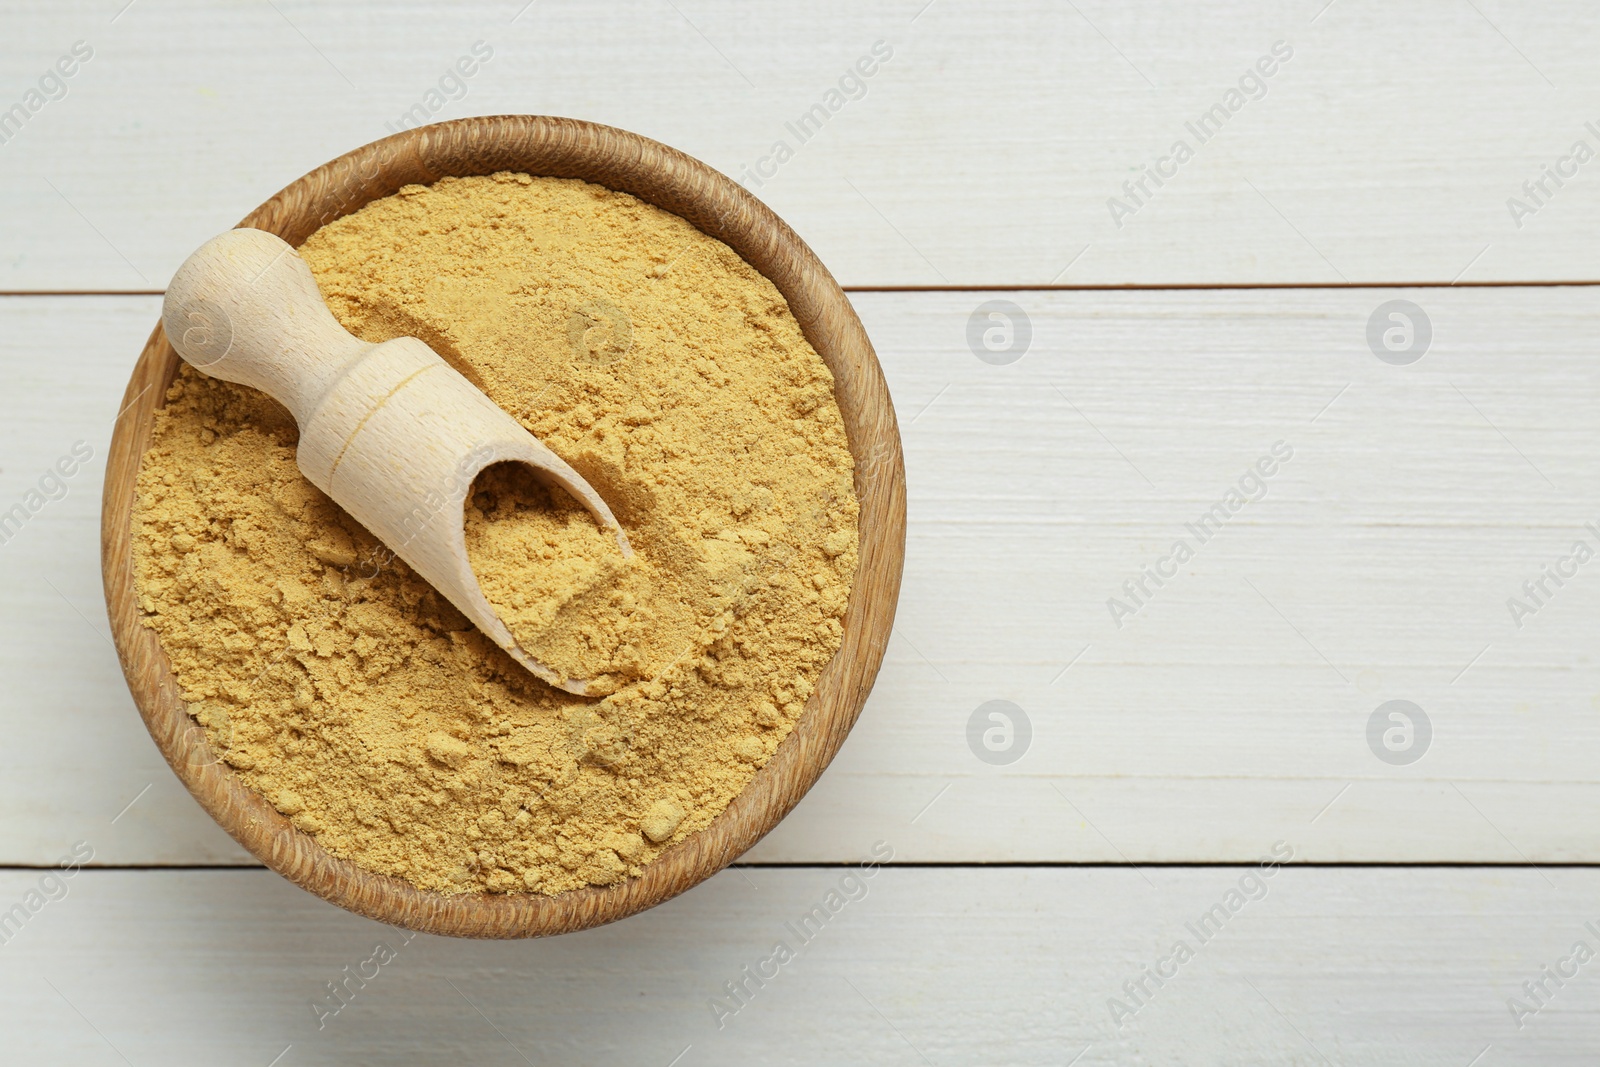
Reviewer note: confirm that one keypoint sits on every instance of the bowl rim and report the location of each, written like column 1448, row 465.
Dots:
column 715, row 204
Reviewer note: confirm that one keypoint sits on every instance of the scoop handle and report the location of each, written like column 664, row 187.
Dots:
column 245, row 308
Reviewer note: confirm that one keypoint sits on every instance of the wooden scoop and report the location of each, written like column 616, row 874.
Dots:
column 391, row 432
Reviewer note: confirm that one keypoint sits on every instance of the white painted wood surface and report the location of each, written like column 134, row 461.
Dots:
column 1369, row 967
column 984, row 151
column 1228, row 713
column 1231, row 709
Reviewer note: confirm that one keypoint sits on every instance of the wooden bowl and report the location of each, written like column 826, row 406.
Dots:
column 673, row 181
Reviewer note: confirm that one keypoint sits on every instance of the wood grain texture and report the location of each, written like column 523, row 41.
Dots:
column 1352, row 967
column 670, row 180
column 984, row 152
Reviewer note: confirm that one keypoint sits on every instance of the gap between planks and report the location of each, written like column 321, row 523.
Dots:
column 1031, row 287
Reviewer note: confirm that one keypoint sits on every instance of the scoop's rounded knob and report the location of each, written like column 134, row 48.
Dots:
column 245, row 308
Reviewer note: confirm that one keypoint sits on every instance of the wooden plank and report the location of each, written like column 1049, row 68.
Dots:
column 75, row 753
column 1315, row 966
column 985, row 150
column 1231, row 708
column 1378, row 566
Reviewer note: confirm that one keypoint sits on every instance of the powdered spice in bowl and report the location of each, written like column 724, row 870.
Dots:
column 675, row 343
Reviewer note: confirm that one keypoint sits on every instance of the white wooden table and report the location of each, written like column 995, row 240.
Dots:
column 1186, row 712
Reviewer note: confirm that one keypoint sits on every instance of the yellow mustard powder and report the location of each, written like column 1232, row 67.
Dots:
column 361, row 704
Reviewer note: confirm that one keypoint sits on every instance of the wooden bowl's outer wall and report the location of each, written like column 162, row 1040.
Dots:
column 671, row 180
